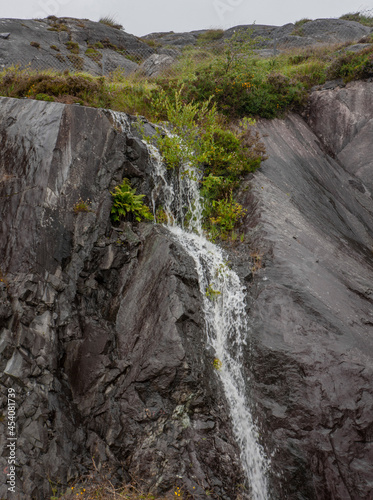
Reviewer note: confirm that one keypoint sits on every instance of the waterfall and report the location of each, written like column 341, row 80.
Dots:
column 223, row 305
column 223, row 301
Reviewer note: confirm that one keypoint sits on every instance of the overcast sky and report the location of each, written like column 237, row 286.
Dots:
column 141, row 17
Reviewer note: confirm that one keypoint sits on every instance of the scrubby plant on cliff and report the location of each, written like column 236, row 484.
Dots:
column 127, row 203
column 199, row 137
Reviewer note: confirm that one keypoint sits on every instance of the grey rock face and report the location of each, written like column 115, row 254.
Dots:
column 102, row 334
column 344, row 123
column 310, row 221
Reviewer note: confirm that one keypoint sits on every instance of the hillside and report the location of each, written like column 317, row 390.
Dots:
column 186, row 265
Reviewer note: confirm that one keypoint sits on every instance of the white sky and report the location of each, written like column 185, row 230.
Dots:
column 141, row 17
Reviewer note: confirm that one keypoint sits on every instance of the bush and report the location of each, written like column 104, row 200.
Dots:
column 352, row 65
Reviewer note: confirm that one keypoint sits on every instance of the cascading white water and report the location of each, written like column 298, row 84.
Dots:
column 223, row 302
column 224, row 308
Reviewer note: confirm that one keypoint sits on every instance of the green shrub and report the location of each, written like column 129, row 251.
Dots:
column 44, row 97
column 352, row 65
column 226, row 214
column 200, row 138
column 127, row 203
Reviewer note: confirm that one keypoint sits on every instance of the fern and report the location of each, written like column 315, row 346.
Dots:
column 126, row 201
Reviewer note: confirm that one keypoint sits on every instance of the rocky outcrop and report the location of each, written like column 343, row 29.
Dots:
column 310, row 226
column 67, row 43
column 102, row 335
column 79, row 44
column 320, row 31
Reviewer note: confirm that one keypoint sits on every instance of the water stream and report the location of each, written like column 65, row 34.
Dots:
column 223, row 305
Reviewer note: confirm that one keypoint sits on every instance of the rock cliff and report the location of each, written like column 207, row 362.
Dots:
column 102, row 328
column 102, row 336
column 311, row 224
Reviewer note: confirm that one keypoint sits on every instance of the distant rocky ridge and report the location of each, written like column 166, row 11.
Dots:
column 80, row 44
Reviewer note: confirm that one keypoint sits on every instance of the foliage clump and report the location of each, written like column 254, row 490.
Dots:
column 128, row 204
column 201, row 138
column 352, row 65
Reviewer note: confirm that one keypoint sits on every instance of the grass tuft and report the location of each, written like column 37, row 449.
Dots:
column 110, row 21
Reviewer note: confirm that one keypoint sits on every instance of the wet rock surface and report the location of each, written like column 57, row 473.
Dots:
column 102, row 334
column 310, row 228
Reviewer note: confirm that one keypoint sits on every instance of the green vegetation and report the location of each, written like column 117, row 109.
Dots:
column 352, row 66
column 93, row 54
column 73, row 47
column 364, row 18
column 225, row 151
column 35, row 44
column 127, row 203
column 110, row 21
column 210, row 36
column 206, row 100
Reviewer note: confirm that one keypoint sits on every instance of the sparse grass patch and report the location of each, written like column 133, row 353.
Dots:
column 151, row 43
column 73, row 47
column 110, row 21
column 210, row 36
column 35, row 44
column 93, row 54
column 84, row 88
column 365, row 18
